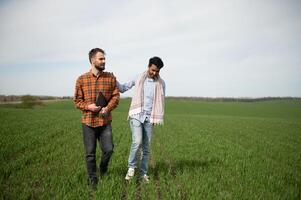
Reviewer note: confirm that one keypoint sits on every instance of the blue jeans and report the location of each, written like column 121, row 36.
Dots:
column 141, row 137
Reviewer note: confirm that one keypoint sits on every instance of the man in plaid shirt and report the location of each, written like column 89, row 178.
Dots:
column 96, row 120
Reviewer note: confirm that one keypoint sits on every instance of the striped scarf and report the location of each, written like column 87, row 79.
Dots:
column 136, row 107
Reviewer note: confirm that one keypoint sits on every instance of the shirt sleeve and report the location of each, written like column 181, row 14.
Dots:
column 79, row 96
column 123, row 87
column 115, row 96
column 164, row 87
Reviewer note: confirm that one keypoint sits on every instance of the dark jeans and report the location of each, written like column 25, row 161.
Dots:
column 104, row 136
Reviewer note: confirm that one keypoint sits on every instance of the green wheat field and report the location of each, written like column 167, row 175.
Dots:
column 205, row 150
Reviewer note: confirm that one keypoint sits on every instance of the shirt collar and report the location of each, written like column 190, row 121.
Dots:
column 95, row 72
column 150, row 79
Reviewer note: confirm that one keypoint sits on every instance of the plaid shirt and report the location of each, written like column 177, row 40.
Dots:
column 87, row 87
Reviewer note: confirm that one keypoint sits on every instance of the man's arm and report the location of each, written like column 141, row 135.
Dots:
column 126, row 86
column 114, row 99
column 79, row 96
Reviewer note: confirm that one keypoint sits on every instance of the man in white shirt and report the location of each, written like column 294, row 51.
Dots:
column 146, row 110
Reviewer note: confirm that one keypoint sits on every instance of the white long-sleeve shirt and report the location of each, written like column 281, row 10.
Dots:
column 148, row 95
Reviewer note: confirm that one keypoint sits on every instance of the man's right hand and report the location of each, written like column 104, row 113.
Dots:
column 92, row 107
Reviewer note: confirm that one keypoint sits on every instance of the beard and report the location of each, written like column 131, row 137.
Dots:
column 150, row 75
column 100, row 67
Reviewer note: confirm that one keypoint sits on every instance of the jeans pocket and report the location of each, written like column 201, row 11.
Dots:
column 135, row 123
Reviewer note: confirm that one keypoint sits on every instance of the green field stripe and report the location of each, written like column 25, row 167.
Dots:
column 209, row 135
column 154, row 170
column 172, row 170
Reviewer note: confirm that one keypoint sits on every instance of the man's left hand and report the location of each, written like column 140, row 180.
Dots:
column 104, row 110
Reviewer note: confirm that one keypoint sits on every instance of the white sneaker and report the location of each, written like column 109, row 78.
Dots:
column 145, row 178
column 130, row 174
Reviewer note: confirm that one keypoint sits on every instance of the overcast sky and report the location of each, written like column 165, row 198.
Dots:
column 209, row 48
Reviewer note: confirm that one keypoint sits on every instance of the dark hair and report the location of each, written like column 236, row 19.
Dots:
column 94, row 51
column 156, row 61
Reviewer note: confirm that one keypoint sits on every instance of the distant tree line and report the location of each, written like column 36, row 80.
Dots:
column 16, row 98
column 229, row 99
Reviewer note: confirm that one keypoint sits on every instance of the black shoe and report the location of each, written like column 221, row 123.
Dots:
column 92, row 182
column 103, row 171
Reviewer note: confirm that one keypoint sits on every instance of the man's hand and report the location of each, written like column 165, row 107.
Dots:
column 92, row 107
column 104, row 110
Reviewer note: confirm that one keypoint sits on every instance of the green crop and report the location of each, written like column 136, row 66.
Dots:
column 205, row 150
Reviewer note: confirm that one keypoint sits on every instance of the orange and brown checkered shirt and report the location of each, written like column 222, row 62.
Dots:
column 87, row 87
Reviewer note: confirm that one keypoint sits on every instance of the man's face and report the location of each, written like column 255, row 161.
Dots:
column 153, row 71
column 99, row 61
